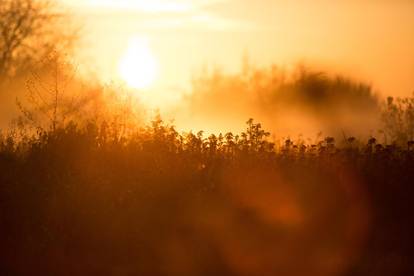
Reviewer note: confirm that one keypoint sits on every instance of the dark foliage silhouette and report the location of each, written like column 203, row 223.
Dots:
column 87, row 200
column 291, row 102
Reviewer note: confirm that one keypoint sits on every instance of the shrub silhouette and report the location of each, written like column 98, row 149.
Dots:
column 398, row 119
column 86, row 199
column 283, row 100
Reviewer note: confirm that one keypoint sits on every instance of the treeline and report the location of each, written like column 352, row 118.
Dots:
column 100, row 199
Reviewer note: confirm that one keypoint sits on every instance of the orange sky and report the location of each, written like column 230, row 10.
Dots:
column 372, row 39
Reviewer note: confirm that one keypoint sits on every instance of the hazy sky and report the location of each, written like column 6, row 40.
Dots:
column 371, row 39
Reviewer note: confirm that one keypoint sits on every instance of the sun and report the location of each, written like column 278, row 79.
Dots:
column 138, row 67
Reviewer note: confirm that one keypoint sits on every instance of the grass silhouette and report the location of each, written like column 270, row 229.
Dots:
column 88, row 200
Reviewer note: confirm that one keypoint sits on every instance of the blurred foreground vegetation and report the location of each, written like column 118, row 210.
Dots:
column 95, row 200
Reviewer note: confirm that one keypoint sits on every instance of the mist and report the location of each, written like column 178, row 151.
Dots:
column 302, row 101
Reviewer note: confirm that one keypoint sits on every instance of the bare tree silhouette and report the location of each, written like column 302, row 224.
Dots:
column 29, row 31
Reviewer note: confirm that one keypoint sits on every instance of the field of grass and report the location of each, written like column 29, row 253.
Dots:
column 93, row 200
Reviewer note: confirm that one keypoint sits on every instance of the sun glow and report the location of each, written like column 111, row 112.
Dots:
column 138, row 67
column 144, row 5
